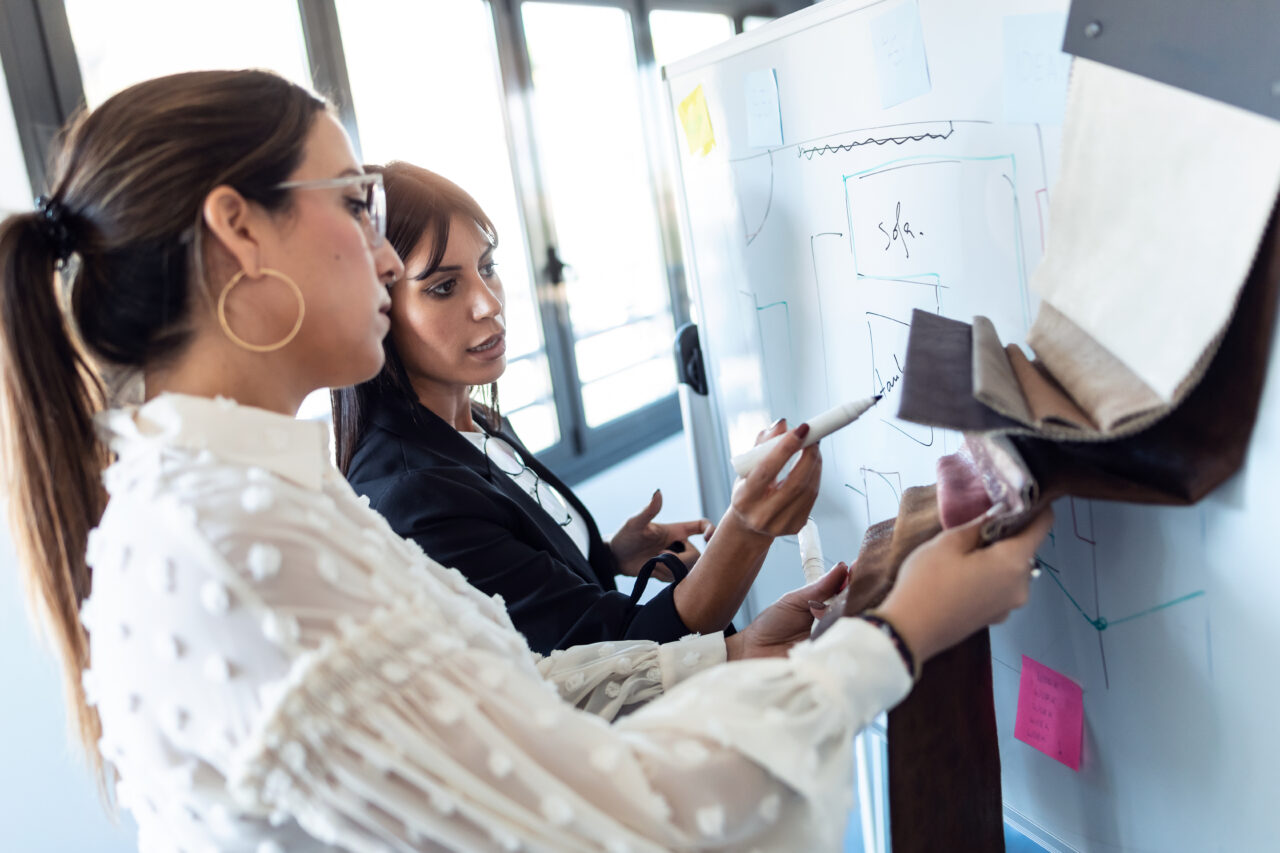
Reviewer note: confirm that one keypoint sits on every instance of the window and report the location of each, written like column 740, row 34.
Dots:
column 15, row 189
column 679, row 34
column 454, row 126
column 750, row 22
column 126, row 41
column 591, row 141
column 549, row 113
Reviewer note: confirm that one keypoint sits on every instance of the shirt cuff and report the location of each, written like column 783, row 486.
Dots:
column 862, row 659
column 690, row 655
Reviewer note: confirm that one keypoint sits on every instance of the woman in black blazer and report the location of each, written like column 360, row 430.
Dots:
column 449, row 473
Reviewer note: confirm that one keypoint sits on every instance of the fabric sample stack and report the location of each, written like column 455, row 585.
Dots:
column 1158, row 294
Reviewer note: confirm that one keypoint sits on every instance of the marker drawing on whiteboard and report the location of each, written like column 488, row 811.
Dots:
column 819, row 428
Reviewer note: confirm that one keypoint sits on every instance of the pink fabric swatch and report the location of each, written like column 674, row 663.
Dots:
column 1050, row 713
column 961, row 495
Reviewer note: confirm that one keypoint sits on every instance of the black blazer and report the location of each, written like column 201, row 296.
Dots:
column 436, row 488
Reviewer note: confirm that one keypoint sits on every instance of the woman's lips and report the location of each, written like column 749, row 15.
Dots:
column 490, row 348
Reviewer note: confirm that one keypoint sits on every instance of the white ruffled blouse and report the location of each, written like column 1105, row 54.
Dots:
column 276, row 670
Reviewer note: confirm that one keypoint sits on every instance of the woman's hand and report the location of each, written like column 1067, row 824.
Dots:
column 788, row 621
column 762, row 507
column 640, row 538
column 766, row 506
column 950, row 587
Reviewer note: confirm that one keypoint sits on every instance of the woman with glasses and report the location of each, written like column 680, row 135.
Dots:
column 254, row 659
column 448, row 472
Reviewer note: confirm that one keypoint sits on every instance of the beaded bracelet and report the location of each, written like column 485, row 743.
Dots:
column 904, row 651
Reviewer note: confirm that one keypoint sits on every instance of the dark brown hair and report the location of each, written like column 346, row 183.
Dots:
column 124, row 208
column 420, row 206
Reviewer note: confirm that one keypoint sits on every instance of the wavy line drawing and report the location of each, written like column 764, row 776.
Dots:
column 820, row 150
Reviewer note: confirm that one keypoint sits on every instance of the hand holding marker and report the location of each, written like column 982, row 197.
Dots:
column 820, row 427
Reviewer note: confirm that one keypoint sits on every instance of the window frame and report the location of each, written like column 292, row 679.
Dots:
column 46, row 90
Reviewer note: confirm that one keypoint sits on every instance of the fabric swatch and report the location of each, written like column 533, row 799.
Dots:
column 944, row 790
column 1110, row 392
column 994, row 382
column 962, row 496
column 1050, row 404
column 937, row 379
column 1160, row 203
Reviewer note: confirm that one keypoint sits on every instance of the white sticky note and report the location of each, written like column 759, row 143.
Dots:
column 1035, row 68
column 764, row 113
column 897, row 41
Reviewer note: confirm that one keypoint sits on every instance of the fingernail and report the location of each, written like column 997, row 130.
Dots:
column 996, row 509
column 773, row 425
column 802, row 430
column 817, row 605
column 657, row 492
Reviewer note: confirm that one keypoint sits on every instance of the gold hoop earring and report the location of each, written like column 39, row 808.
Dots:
column 243, row 344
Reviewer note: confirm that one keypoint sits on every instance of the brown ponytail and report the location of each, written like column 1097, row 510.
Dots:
column 125, row 209
column 49, row 393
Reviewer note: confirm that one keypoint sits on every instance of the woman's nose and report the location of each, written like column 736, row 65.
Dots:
column 487, row 301
column 390, row 267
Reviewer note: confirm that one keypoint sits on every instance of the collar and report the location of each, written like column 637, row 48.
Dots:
column 293, row 449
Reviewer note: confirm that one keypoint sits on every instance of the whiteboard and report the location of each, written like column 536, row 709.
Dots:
column 802, row 293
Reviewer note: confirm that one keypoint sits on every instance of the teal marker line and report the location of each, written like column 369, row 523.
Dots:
column 1186, row 597
column 791, row 350
column 1101, row 623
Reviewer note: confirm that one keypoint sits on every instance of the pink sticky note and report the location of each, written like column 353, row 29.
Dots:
column 1050, row 713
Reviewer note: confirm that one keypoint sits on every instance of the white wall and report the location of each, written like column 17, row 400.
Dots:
column 48, row 801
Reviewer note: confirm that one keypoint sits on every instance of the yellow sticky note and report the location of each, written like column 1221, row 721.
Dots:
column 697, row 123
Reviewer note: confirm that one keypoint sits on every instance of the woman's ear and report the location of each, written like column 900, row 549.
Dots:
column 232, row 221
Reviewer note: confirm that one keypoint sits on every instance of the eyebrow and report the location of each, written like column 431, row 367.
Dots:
column 422, row 276
column 350, row 170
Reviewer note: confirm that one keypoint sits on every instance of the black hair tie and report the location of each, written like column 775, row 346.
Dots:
column 54, row 219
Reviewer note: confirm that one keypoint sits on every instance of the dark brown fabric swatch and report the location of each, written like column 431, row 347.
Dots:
column 944, row 757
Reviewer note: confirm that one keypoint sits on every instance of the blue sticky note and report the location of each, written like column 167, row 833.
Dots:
column 764, row 113
column 897, row 42
column 1035, row 68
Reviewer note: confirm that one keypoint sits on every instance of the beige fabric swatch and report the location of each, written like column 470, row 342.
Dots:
column 994, row 382
column 1162, row 199
column 1006, row 381
column 1049, row 404
column 1105, row 389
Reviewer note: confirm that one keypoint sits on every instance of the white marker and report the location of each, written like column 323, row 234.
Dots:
column 811, row 552
column 819, row 428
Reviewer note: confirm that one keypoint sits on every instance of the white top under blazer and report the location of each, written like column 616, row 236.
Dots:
column 276, row 669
